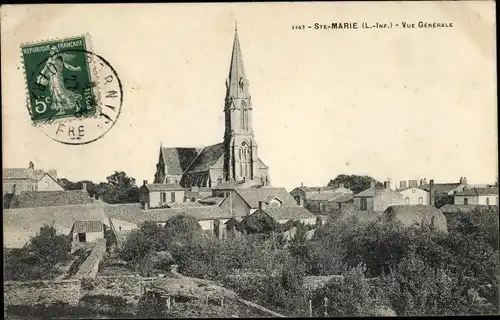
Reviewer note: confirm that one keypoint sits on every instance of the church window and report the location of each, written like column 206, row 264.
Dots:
column 241, row 84
column 241, row 170
column 246, row 170
column 244, row 115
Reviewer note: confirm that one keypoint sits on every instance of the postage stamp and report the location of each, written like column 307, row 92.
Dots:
column 73, row 94
column 59, row 79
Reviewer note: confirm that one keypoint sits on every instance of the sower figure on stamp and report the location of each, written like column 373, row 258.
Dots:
column 52, row 74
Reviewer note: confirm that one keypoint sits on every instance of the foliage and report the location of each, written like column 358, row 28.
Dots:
column 354, row 182
column 37, row 259
column 119, row 188
column 440, row 199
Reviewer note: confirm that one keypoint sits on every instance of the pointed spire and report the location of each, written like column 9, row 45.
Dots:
column 235, row 26
column 237, row 81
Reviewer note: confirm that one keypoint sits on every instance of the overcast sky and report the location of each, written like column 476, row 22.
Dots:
column 391, row 103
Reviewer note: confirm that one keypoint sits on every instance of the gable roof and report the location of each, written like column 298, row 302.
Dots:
column 28, row 199
column 87, row 226
column 367, row 193
column 289, row 213
column 164, row 187
column 19, row 173
column 252, row 196
column 489, row 191
column 51, row 177
column 207, row 157
column 332, row 197
column 177, row 160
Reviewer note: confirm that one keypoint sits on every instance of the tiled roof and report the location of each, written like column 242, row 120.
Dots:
column 216, row 200
column 164, row 187
column 185, row 205
column 21, row 224
column 332, row 197
column 29, row 199
column 440, row 187
column 343, row 198
column 18, row 173
column 366, row 193
column 254, row 195
column 458, row 208
column 316, row 189
column 231, row 185
column 177, row 160
column 206, row 158
column 87, row 226
column 291, row 213
column 491, row 191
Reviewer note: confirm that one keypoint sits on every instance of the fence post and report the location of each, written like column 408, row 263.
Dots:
column 326, row 306
column 310, row 309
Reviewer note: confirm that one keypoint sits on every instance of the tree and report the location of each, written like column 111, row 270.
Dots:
column 354, row 182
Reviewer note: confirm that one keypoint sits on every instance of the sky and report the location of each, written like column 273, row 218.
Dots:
column 394, row 104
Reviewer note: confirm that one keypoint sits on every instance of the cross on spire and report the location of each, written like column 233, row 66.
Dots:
column 235, row 26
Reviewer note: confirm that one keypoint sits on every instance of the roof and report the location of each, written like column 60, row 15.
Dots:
column 211, row 200
column 185, row 205
column 51, row 177
column 488, row 191
column 177, row 160
column 29, row 199
column 414, row 214
column 367, row 193
column 206, row 158
column 164, row 187
column 458, row 208
column 88, row 226
column 232, row 185
column 134, row 213
column 332, row 197
column 440, row 187
column 289, row 213
column 19, row 173
column 316, row 189
column 21, row 224
column 254, row 195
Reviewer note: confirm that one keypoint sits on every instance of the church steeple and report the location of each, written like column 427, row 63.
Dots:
column 241, row 160
column 237, row 82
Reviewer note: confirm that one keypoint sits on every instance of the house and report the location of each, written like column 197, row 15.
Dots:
column 331, row 201
column 19, row 179
column 242, row 202
column 414, row 195
column 377, row 199
column 446, row 188
column 47, row 182
column 268, row 218
column 160, row 194
column 86, row 232
column 302, row 194
column 477, row 196
column 195, row 193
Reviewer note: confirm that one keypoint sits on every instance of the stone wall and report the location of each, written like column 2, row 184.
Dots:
column 41, row 292
column 90, row 266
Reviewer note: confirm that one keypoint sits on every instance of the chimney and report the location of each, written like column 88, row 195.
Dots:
column 402, row 184
column 15, row 190
column 372, row 184
column 413, row 183
column 464, row 180
column 84, row 186
column 260, row 205
column 387, row 184
column 421, row 182
column 431, row 192
column 31, row 165
column 302, row 184
column 341, row 185
column 425, row 181
column 144, row 182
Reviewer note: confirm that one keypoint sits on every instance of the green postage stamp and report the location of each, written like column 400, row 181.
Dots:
column 59, row 79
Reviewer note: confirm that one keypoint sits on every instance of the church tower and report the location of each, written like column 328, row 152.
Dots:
column 240, row 156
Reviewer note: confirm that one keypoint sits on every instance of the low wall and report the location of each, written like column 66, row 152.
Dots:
column 41, row 292
column 90, row 266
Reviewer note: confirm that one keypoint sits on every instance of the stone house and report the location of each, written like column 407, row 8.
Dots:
column 377, row 199
column 84, row 232
column 242, row 202
column 329, row 202
column 16, row 180
column 446, row 188
column 477, row 196
column 413, row 194
column 160, row 194
column 302, row 194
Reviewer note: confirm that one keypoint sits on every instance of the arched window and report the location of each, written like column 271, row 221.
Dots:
column 244, row 115
column 241, row 170
column 241, row 84
column 407, row 200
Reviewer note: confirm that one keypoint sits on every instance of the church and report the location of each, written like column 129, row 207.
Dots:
column 236, row 158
